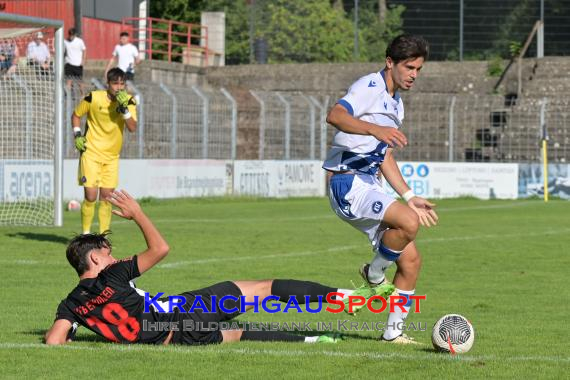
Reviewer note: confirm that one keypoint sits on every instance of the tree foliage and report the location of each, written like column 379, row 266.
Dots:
column 306, row 31
column 374, row 35
column 294, row 30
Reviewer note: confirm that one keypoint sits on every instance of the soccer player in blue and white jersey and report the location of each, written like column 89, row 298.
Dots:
column 368, row 118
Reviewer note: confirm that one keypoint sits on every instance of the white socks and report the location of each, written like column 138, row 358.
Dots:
column 394, row 327
column 383, row 259
column 346, row 292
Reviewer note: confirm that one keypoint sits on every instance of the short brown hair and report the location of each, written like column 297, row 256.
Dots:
column 80, row 246
column 116, row 74
column 407, row 46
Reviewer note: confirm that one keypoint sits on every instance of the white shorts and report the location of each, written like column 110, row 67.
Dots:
column 360, row 200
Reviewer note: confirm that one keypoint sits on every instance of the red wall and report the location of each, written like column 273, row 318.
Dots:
column 53, row 9
column 100, row 37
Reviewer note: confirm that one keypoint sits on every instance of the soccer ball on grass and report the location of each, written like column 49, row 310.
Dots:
column 453, row 333
column 73, row 205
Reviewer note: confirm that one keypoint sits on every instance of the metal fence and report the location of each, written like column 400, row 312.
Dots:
column 481, row 29
column 196, row 123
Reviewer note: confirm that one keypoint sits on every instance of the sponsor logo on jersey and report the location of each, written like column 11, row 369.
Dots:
column 377, row 207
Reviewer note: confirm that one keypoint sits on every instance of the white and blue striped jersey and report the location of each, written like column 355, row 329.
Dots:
column 368, row 100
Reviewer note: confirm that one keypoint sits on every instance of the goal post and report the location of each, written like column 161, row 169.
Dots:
column 31, row 122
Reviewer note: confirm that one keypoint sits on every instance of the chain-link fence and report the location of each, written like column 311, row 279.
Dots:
column 195, row 123
column 481, row 29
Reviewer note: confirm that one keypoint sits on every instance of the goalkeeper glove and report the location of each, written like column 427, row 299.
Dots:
column 123, row 100
column 80, row 141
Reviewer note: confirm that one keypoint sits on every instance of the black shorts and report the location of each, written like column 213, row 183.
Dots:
column 201, row 332
column 73, row 72
column 130, row 75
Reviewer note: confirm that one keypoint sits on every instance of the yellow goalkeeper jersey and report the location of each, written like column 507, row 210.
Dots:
column 105, row 125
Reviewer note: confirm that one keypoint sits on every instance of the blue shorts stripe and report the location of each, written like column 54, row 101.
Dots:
column 340, row 185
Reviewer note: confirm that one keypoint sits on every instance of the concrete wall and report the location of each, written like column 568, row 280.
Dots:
column 216, row 24
column 439, row 77
column 540, row 76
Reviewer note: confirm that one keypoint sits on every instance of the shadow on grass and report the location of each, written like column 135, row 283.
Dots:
column 41, row 237
column 40, row 334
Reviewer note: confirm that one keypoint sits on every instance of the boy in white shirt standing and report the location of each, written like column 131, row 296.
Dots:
column 126, row 55
column 75, row 53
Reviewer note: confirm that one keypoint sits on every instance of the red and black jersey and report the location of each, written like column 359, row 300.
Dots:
column 109, row 306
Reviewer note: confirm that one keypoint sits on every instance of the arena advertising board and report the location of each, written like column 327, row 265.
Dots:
column 455, row 179
column 162, row 178
column 278, row 178
column 196, row 178
column 25, row 180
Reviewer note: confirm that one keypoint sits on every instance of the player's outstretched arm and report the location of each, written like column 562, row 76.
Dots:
column 157, row 248
column 345, row 122
column 424, row 208
column 57, row 334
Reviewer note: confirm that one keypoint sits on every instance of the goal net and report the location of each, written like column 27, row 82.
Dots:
column 30, row 120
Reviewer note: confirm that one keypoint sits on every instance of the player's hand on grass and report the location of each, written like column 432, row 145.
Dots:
column 128, row 206
column 425, row 210
column 391, row 136
column 81, row 143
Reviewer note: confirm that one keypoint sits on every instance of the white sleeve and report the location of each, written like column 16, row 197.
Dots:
column 360, row 96
column 115, row 51
column 83, row 47
column 135, row 52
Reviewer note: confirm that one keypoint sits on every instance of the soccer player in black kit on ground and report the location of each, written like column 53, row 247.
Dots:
column 106, row 302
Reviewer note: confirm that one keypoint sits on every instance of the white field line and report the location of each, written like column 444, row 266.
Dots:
column 177, row 264
column 329, row 215
column 281, row 353
column 241, row 258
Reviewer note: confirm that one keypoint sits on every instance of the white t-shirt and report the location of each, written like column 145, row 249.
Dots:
column 126, row 55
column 38, row 53
column 74, row 51
column 367, row 99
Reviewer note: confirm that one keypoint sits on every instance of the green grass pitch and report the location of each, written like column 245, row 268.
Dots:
column 502, row 264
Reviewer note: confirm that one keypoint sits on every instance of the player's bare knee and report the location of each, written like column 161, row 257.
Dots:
column 410, row 226
column 104, row 194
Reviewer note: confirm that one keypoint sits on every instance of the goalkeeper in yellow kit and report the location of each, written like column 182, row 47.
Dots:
column 108, row 112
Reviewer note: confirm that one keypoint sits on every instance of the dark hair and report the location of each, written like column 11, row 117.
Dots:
column 79, row 247
column 72, row 31
column 116, row 74
column 407, row 46
column 124, row 34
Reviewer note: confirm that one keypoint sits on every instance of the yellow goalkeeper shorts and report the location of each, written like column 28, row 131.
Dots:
column 93, row 173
